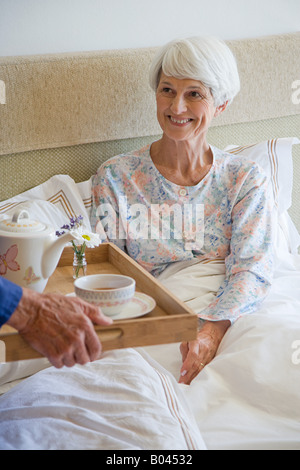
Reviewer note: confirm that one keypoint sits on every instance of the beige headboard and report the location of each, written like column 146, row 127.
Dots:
column 67, row 113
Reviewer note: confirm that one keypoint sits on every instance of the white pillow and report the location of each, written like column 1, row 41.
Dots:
column 85, row 191
column 53, row 202
column 275, row 157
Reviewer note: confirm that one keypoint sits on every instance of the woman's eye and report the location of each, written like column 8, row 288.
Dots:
column 167, row 90
column 195, row 94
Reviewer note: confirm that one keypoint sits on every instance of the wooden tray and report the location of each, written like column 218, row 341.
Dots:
column 171, row 320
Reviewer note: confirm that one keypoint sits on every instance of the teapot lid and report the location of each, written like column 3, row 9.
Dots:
column 21, row 223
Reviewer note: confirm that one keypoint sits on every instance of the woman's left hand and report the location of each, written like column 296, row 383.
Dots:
column 198, row 353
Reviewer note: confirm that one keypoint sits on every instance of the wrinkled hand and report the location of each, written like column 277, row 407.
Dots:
column 198, row 353
column 59, row 327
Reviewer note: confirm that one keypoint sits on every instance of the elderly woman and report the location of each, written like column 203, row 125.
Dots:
column 223, row 198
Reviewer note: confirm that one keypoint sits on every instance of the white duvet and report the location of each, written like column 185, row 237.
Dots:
column 246, row 398
column 118, row 402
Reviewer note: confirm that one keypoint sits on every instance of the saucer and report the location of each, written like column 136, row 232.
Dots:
column 137, row 307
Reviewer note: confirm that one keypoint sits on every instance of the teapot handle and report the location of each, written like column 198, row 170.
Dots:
column 19, row 215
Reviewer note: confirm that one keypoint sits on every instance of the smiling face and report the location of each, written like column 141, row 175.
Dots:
column 185, row 108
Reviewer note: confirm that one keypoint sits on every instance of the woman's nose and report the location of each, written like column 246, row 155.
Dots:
column 178, row 104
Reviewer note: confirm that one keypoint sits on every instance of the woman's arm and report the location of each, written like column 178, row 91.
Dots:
column 249, row 265
column 105, row 217
column 249, row 271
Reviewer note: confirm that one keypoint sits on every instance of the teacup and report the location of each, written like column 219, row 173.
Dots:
column 110, row 292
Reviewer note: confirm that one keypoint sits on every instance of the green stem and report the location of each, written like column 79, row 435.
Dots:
column 79, row 253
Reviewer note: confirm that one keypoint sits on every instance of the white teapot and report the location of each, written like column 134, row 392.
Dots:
column 29, row 250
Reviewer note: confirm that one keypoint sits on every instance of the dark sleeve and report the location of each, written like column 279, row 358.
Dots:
column 10, row 296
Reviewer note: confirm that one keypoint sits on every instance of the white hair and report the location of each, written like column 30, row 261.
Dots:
column 206, row 59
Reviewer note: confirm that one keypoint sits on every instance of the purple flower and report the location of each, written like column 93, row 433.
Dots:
column 75, row 222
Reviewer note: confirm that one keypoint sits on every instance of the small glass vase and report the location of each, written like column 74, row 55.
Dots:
column 79, row 265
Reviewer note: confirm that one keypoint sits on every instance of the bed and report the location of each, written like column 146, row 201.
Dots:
column 63, row 116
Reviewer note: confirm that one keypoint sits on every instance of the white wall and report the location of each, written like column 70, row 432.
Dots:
column 48, row 26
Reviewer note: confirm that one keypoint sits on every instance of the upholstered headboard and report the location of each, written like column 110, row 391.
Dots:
column 67, row 113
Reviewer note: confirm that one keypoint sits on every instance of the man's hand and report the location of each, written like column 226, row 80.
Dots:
column 59, row 327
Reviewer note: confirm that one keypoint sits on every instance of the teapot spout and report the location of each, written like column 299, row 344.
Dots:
column 53, row 253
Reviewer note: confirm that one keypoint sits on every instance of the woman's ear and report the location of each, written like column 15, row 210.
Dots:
column 220, row 109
